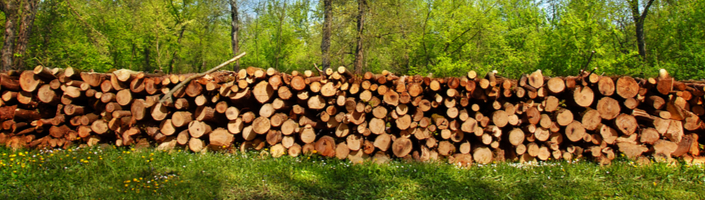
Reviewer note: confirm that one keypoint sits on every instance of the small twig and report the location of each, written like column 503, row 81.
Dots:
column 168, row 97
column 321, row 73
column 594, row 69
column 589, row 61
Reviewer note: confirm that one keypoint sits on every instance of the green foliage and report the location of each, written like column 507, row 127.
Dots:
column 122, row 173
column 677, row 43
column 446, row 38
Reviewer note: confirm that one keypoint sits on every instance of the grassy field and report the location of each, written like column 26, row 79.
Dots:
column 95, row 173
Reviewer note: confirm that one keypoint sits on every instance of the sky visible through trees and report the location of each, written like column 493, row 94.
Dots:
column 442, row 37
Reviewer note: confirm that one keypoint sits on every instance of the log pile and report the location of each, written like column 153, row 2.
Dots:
column 377, row 117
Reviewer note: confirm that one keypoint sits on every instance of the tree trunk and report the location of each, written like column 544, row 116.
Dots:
column 640, row 33
column 358, row 63
column 29, row 11
column 639, row 19
column 175, row 54
column 280, row 17
column 326, row 35
column 234, row 27
column 10, row 10
column 147, row 58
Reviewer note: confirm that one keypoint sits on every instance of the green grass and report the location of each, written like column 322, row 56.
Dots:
column 90, row 173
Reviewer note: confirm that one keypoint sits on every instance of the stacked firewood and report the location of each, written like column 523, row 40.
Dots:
column 369, row 116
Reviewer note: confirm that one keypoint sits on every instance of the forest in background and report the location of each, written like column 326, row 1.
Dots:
column 443, row 37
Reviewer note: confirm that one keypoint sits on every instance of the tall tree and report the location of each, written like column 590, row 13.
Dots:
column 181, row 14
column 359, row 50
column 29, row 11
column 16, row 41
column 11, row 9
column 234, row 27
column 639, row 19
column 326, row 35
column 280, row 14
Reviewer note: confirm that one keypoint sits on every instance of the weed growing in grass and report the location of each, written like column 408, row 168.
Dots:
column 88, row 173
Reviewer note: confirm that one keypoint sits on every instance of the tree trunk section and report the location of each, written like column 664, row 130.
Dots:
column 198, row 129
column 220, row 138
column 608, row 107
column 10, row 9
column 575, row 131
column 359, row 49
column 326, row 34
column 627, row 87
column 482, row 155
column 234, row 29
column 326, row 146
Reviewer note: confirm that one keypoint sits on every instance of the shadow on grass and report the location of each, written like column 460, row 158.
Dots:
column 374, row 182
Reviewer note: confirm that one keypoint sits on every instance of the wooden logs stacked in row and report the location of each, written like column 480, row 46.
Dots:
column 369, row 116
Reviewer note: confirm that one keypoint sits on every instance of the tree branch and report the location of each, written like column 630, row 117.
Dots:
column 644, row 12
column 446, row 47
column 168, row 97
column 94, row 35
column 466, row 31
column 466, row 42
column 321, row 72
column 635, row 8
